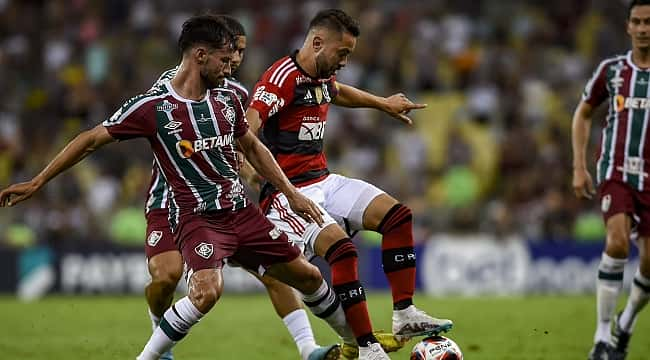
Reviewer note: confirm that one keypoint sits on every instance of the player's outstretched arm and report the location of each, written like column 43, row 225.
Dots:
column 397, row 105
column 262, row 160
column 77, row 149
column 583, row 185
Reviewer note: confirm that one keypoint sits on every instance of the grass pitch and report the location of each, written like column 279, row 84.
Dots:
column 246, row 327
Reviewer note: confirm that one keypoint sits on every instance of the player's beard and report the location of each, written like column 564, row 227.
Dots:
column 211, row 80
column 323, row 69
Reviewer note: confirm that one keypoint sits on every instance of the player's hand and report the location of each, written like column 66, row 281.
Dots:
column 17, row 193
column 583, row 186
column 398, row 106
column 305, row 208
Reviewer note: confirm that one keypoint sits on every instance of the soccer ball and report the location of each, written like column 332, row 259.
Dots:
column 436, row 348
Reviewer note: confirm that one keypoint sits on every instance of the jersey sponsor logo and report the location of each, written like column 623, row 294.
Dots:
column 633, row 165
column 154, row 237
column 270, row 99
column 302, row 79
column 311, row 129
column 173, row 125
column 616, row 82
column 187, row 148
column 204, row 250
column 633, row 103
column 166, row 106
column 606, row 203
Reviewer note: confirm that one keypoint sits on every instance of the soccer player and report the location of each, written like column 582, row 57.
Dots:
column 290, row 104
column 192, row 128
column 624, row 82
column 166, row 267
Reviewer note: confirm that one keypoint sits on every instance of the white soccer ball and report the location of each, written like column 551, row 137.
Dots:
column 436, row 348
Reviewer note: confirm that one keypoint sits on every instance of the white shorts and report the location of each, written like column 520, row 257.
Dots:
column 342, row 200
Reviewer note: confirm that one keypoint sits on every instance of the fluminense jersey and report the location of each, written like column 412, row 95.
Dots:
column 193, row 143
column 293, row 110
column 158, row 188
column 624, row 147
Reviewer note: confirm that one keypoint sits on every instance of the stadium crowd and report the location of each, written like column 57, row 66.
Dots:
column 491, row 153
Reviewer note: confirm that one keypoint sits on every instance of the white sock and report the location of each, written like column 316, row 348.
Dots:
column 298, row 325
column 325, row 304
column 174, row 325
column 155, row 320
column 639, row 295
column 608, row 289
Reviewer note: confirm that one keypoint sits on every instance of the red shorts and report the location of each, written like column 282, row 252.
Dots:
column 244, row 235
column 617, row 197
column 159, row 235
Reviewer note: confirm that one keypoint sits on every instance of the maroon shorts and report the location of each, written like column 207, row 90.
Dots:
column 617, row 197
column 159, row 235
column 245, row 236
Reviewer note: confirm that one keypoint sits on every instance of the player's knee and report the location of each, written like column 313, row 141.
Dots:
column 205, row 289
column 341, row 250
column 395, row 217
column 617, row 243
column 167, row 280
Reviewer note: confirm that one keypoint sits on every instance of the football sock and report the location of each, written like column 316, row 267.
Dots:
column 342, row 257
column 608, row 289
column 174, row 325
column 639, row 295
column 155, row 320
column 325, row 305
column 398, row 256
column 298, row 325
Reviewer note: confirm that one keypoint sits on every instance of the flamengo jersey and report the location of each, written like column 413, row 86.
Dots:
column 193, row 144
column 624, row 146
column 158, row 188
column 293, row 109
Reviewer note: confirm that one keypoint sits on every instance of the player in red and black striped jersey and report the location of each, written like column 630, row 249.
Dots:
column 289, row 109
column 623, row 82
column 192, row 127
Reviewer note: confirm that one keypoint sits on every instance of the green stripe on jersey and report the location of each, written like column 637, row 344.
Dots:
column 608, row 132
column 206, row 125
column 636, row 126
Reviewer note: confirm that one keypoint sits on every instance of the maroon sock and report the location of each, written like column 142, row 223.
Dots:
column 398, row 256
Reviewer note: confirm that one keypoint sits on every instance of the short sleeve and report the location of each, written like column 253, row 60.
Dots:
column 268, row 98
column 595, row 91
column 132, row 120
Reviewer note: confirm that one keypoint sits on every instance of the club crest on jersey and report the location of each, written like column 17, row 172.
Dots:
column 606, row 203
column 187, row 148
column 154, row 238
column 204, row 250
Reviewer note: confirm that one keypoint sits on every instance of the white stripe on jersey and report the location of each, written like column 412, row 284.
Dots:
column 203, row 153
column 171, row 191
column 276, row 74
column 643, row 133
column 150, row 199
column 286, row 74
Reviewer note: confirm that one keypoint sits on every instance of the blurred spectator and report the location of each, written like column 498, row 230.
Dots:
column 490, row 153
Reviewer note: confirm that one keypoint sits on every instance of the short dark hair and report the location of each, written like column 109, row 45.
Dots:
column 234, row 25
column 337, row 20
column 206, row 29
column 634, row 3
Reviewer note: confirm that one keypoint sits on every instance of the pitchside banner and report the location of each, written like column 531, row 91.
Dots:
column 447, row 265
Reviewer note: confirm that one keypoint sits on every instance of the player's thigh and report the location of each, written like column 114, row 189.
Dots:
column 164, row 260
column 346, row 200
column 300, row 232
column 617, row 205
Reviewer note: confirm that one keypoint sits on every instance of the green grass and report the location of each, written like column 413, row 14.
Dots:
column 246, row 327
